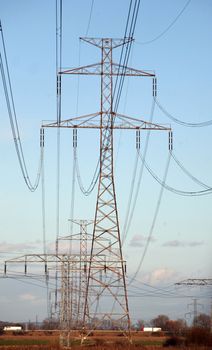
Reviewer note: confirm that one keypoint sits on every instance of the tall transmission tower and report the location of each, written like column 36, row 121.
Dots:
column 106, row 282
column 78, row 277
column 198, row 282
column 194, row 312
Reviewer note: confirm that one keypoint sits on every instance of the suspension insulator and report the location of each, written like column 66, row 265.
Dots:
column 25, row 268
column 41, row 137
column 46, row 271
column 58, row 84
column 125, row 268
column 138, row 139
column 74, row 138
column 170, row 141
column 154, row 87
column 5, row 268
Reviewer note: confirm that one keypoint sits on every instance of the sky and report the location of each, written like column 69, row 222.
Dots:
column 181, row 242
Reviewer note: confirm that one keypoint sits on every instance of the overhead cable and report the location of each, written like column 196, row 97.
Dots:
column 188, row 172
column 166, row 29
column 93, row 182
column 89, row 20
column 133, row 201
column 132, row 186
column 129, row 33
column 58, row 53
column 181, row 122
column 153, row 221
column 14, row 122
column 172, row 189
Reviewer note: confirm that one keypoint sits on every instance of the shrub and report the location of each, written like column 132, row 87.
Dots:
column 99, row 341
column 199, row 336
column 173, row 341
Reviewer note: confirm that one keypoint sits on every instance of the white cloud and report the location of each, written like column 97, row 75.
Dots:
column 140, row 240
column 28, row 297
column 176, row 243
column 6, row 247
column 160, row 275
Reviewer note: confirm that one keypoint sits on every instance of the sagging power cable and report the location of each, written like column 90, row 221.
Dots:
column 95, row 177
column 188, row 173
column 133, row 201
column 166, row 29
column 182, row 122
column 7, row 86
column 172, row 189
column 153, row 221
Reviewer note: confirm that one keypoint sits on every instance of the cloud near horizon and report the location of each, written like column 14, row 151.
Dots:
column 6, row 247
column 140, row 240
column 176, row 243
column 160, row 275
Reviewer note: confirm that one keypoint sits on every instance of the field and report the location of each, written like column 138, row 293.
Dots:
column 48, row 340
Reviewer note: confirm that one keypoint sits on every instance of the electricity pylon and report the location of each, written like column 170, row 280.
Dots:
column 71, row 267
column 198, row 282
column 106, row 293
column 78, row 279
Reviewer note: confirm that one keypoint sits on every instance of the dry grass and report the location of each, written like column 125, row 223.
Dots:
column 99, row 341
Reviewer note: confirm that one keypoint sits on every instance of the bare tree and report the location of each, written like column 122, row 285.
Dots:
column 160, row 321
column 202, row 321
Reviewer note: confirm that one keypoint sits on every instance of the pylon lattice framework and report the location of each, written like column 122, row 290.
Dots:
column 107, row 268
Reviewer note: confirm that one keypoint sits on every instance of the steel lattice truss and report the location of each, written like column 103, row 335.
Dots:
column 106, row 283
column 196, row 282
column 102, row 288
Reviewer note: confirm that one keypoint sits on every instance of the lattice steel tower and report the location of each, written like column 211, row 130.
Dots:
column 108, row 278
column 106, row 294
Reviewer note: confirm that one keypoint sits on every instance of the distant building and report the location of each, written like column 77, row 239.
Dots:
column 13, row 328
column 151, row 329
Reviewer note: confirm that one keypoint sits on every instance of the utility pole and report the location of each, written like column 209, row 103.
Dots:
column 106, row 276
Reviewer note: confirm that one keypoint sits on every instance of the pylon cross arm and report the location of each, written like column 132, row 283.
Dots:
column 119, row 121
column 115, row 70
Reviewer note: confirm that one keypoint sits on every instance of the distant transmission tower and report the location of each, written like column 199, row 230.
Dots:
column 106, row 293
column 197, row 282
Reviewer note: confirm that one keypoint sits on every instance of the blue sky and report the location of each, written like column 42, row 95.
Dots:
column 181, row 243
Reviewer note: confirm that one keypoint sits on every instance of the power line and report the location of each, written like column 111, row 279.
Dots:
column 153, row 222
column 188, row 173
column 172, row 189
column 89, row 20
column 7, row 85
column 133, row 15
column 166, row 29
column 182, row 122
column 129, row 217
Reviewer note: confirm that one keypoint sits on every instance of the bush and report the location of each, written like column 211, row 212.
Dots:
column 199, row 336
column 173, row 341
column 99, row 341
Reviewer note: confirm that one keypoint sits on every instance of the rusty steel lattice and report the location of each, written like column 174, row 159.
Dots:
column 96, row 280
column 106, row 299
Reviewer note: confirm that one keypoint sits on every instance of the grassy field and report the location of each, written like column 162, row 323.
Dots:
column 98, row 341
